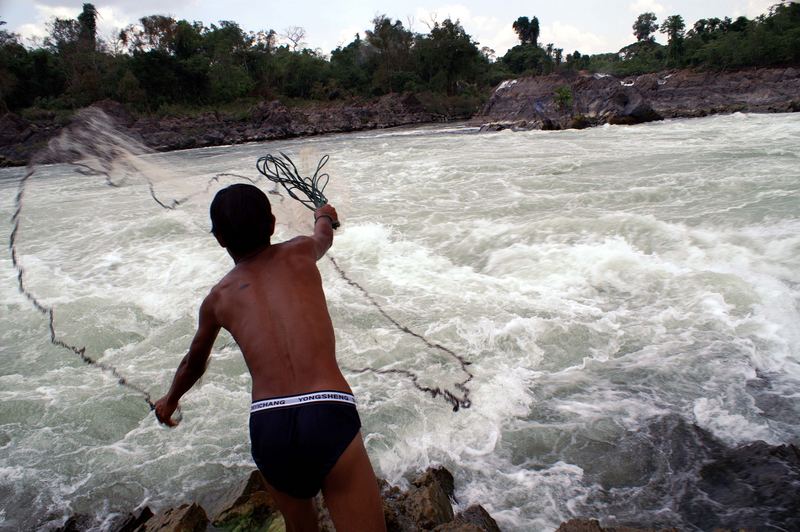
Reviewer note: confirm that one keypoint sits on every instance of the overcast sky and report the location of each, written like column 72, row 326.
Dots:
column 590, row 26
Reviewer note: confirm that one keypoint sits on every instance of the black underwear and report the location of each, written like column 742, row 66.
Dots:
column 297, row 440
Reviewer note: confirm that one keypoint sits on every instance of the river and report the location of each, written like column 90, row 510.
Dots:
column 617, row 290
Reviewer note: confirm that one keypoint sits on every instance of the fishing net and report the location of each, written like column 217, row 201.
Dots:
column 94, row 148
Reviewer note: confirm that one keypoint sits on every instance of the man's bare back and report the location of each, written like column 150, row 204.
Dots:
column 273, row 304
column 274, row 307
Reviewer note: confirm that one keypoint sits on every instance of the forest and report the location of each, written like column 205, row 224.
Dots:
column 165, row 66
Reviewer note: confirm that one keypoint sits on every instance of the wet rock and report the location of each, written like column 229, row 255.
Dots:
column 184, row 518
column 473, row 519
column 758, row 477
column 134, row 520
column 599, row 99
column 437, row 476
column 427, row 502
column 592, row 525
column 76, row 523
column 245, row 505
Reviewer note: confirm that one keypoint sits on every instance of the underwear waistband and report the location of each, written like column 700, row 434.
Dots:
column 301, row 399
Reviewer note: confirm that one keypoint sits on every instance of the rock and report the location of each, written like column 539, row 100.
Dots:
column 606, row 99
column 245, row 504
column 14, row 129
column 437, row 475
column 184, row 518
column 134, row 520
column 478, row 516
column 76, row 523
column 115, row 110
column 758, row 476
column 427, row 503
column 473, row 519
column 592, row 525
column 458, row 526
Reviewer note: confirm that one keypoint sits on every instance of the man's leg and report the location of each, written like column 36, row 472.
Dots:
column 351, row 492
column 299, row 515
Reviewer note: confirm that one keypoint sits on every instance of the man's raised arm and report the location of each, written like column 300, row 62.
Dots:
column 324, row 218
column 193, row 364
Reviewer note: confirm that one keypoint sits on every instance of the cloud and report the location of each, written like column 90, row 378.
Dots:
column 486, row 30
column 758, row 7
column 571, row 38
column 646, row 6
column 109, row 20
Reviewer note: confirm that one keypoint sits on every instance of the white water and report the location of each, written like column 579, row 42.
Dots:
column 598, row 280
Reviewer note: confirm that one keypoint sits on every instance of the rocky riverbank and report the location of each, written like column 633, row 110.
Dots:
column 579, row 100
column 556, row 101
column 757, row 481
column 21, row 138
column 426, row 505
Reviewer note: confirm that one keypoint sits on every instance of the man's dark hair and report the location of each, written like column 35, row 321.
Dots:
column 241, row 217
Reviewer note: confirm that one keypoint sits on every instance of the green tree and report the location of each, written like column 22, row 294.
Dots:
column 527, row 59
column 527, row 30
column 645, row 26
column 391, row 43
column 447, row 57
column 674, row 28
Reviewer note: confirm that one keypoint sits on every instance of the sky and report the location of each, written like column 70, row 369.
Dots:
column 589, row 26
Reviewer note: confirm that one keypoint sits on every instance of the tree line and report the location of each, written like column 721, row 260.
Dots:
column 161, row 62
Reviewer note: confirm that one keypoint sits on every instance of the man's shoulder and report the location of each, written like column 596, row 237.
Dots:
column 298, row 244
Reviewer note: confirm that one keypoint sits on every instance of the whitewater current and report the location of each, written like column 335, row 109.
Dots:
column 609, row 286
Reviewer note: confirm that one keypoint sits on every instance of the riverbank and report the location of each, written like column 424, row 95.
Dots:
column 734, row 476
column 20, row 138
column 555, row 101
column 579, row 100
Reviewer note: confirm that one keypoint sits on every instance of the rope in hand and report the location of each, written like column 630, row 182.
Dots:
column 283, row 171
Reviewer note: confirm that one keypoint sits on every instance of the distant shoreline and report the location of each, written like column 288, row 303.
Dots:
column 555, row 101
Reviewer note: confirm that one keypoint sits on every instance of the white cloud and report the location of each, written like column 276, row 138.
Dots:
column 487, row 30
column 571, row 38
column 646, row 6
column 758, row 7
column 38, row 30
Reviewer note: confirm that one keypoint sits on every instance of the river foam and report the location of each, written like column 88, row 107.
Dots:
column 610, row 287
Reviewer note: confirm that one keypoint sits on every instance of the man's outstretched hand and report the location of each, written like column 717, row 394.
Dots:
column 328, row 212
column 164, row 410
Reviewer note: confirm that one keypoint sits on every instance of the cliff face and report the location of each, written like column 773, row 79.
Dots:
column 532, row 102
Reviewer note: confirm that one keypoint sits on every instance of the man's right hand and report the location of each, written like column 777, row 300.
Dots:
column 164, row 410
column 329, row 213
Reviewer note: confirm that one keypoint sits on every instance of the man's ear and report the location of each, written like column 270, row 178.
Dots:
column 272, row 224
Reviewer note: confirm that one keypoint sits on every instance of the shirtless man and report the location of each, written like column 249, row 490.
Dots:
column 304, row 427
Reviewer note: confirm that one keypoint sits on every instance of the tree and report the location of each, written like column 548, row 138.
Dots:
column 674, row 28
column 527, row 30
column 446, row 57
column 645, row 26
column 391, row 43
column 295, row 35
column 87, row 24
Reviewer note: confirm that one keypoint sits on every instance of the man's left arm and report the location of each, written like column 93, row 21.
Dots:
column 193, row 364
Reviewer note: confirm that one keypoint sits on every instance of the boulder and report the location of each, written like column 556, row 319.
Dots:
column 184, row 518
column 592, row 525
column 427, row 502
column 245, row 504
column 76, row 523
column 134, row 520
column 473, row 519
